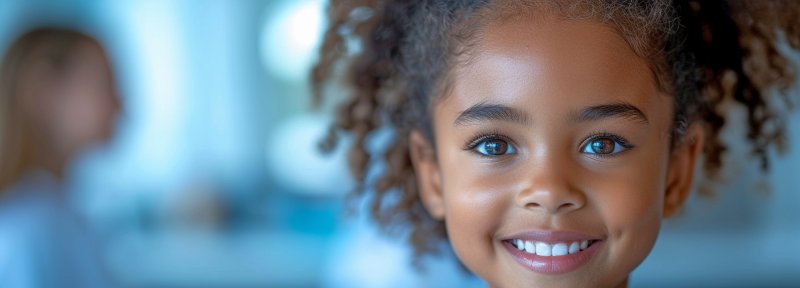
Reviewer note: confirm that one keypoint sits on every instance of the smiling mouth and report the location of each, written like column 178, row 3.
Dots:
column 545, row 249
column 552, row 252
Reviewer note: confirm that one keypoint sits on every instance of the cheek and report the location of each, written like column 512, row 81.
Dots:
column 628, row 199
column 476, row 202
column 630, row 203
column 81, row 113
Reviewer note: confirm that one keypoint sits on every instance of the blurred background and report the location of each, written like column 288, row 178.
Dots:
column 213, row 178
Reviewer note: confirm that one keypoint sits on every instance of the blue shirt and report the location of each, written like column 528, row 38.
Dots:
column 43, row 242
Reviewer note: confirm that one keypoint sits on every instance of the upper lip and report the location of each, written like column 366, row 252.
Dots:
column 552, row 236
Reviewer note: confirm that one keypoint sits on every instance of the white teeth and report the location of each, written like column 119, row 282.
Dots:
column 543, row 249
column 547, row 249
column 559, row 249
column 574, row 248
column 529, row 247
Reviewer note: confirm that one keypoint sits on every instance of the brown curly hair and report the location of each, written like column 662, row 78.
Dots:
column 707, row 54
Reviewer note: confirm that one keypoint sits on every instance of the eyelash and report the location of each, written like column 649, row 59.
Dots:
column 618, row 140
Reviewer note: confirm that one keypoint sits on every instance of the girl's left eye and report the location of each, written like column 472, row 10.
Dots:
column 494, row 147
column 605, row 146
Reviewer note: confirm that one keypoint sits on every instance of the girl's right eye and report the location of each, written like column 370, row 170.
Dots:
column 492, row 146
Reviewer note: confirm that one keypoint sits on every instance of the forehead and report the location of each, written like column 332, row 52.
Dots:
column 531, row 62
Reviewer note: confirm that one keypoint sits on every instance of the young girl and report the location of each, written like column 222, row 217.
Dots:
column 546, row 140
column 57, row 99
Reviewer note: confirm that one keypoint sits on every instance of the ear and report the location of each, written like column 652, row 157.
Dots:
column 680, row 172
column 426, row 168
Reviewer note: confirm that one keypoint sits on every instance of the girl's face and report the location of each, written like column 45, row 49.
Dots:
column 552, row 164
column 83, row 104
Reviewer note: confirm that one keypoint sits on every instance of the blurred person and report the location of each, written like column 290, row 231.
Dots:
column 57, row 99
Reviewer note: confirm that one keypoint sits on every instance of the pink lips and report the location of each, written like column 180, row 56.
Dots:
column 552, row 264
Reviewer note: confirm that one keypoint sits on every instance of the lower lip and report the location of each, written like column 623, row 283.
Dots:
column 552, row 265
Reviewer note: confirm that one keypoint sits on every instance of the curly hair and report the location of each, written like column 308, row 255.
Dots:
column 706, row 54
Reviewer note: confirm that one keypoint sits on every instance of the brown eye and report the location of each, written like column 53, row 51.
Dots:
column 494, row 147
column 605, row 145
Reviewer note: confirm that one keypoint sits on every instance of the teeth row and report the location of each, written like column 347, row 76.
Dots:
column 547, row 249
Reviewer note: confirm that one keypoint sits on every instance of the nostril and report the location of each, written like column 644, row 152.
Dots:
column 534, row 205
column 550, row 200
column 567, row 206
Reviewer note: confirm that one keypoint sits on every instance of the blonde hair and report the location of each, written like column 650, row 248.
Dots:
column 48, row 48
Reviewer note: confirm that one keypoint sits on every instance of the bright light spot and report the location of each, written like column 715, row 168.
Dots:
column 159, row 91
column 290, row 38
column 294, row 158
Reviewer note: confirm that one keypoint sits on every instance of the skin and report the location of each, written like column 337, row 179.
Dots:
column 548, row 71
column 76, row 108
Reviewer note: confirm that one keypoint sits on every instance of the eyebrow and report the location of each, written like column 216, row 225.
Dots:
column 496, row 112
column 491, row 112
column 600, row 112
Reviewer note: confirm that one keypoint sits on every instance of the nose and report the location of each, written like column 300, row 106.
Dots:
column 550, row 188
